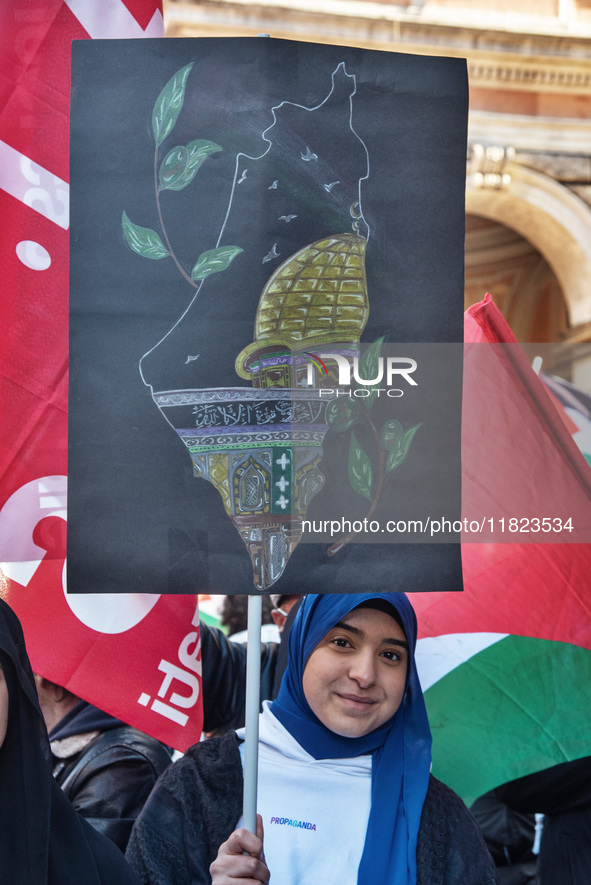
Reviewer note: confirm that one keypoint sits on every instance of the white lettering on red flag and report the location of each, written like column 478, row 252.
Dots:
column 63, row 640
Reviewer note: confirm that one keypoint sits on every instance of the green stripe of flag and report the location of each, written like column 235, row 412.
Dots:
column 519, row 706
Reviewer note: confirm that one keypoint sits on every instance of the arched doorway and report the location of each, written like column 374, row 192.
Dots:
column 522, row 284
column 552, row 219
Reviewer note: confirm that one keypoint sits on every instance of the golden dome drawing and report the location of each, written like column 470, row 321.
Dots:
column 318, row 296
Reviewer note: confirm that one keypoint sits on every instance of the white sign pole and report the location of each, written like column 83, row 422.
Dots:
column 253, row 694
column 253, row 702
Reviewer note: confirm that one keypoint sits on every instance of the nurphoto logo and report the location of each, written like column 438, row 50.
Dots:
column 390, row 368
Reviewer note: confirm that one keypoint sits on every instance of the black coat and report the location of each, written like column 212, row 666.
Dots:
column 196, row 805
column 43, row 840
column 510, row 837
column 109, row 780
column 563, row 794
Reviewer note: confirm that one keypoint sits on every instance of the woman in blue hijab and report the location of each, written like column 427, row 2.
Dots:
column 400, row 747
column 345, row 791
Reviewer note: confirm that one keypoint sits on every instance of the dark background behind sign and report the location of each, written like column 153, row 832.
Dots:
column 138, row 520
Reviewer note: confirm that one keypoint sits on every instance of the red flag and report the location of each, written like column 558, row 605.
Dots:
column 35, row 44
column 136, row 656
column 506, row 664
column 574, row 407
column 518, row 462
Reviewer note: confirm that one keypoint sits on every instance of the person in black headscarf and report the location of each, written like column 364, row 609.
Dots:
column 43, row 839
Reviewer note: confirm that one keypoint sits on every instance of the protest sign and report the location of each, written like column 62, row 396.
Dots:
column 265, row 317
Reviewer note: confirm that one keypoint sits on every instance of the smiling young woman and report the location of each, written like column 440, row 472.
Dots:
column 355, row 678
column 345, row 791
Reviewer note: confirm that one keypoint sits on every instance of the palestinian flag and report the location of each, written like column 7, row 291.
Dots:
column 506, row 665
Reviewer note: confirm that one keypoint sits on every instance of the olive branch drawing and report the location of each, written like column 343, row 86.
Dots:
column 177, row 170
column 391, row 443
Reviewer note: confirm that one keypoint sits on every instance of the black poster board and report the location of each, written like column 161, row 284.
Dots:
column 211, row 181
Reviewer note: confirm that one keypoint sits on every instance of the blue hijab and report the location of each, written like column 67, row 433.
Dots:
column 401, row 747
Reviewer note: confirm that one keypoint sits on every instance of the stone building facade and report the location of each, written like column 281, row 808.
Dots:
column 528, row 173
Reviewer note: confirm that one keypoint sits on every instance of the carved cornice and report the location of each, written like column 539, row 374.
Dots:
column 547, row 74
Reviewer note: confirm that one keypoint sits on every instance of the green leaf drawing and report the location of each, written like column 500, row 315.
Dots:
column 199, row 150
column 168, row 104
column 143, row 240
column 400, row 447
column 341, row 414
column 173, row 169
column 391, row 432
column 180, row 165
column 213, row 261
column 360, row 475
column 369, row 367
